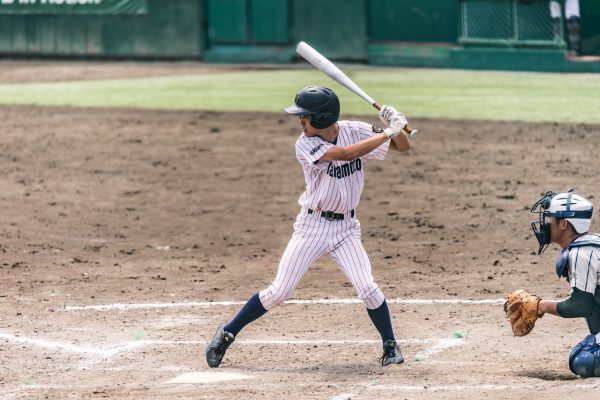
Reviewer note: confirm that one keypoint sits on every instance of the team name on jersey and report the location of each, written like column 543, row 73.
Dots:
column 314, row 151
column 344, row 170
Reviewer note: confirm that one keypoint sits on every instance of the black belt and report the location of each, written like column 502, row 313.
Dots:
column 331, row 216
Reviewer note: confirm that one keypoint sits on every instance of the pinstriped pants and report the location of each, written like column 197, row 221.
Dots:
column 571, row 9
column 314, row 237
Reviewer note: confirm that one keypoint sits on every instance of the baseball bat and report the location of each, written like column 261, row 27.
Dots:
column 328, row 68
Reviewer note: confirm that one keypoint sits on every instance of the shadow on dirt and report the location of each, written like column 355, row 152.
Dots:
column 550, row 375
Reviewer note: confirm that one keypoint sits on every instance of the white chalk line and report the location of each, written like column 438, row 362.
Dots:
column 66, row 347
column 443, row 342
column 69, row 348
column 103, row 354
column 482, row 387
column 124, row 306
column 94, row 354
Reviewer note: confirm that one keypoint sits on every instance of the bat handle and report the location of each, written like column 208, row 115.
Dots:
column 409, row 131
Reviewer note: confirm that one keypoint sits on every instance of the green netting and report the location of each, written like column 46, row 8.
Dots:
column 510, row 22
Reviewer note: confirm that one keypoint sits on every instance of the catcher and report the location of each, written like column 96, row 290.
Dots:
column 564, row 219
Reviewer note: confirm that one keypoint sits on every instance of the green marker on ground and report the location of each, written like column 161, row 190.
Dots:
column 29, row 381
column 140, row 334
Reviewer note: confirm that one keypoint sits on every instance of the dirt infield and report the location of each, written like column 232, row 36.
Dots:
column 109, row 207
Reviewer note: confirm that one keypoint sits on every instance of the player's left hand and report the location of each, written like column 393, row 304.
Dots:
column 389, row 116
column 521, row 307
column 393, row 119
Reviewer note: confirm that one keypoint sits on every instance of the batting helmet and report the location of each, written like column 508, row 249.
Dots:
column 321, row 103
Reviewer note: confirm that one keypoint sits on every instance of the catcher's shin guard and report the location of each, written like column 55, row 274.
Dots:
column 391, row 353
column 218, row 346
column 584, row 359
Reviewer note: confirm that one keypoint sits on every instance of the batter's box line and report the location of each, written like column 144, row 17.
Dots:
column 97, row 355
column 94, row 355
column 482, row 387
column 450, row 388
column 204, row 304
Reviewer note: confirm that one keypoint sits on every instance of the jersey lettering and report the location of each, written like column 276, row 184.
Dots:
column 344, row 170
column 335, row 186
column 313, row 151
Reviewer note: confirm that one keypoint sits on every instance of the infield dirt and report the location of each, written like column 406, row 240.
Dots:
column 103, row 206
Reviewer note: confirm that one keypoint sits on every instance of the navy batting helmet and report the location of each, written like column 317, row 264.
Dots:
column 321, row 103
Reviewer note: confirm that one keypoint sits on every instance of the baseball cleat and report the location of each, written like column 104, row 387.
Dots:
column 218, row 346
column 391, row 353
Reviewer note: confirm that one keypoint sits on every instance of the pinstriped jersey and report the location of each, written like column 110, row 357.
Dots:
column 584, row 264
column 337, row 185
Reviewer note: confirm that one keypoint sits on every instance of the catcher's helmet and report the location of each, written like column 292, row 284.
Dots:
column 570, row 206
column 321, row 103
column 574, row 208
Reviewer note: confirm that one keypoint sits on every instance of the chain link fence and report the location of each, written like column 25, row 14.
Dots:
column 510, row 23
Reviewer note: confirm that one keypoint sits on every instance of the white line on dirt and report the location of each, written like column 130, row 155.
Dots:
column 103, row 354
column 439, row 344
column 481, row 387
column 123, row 306
column 66, row 347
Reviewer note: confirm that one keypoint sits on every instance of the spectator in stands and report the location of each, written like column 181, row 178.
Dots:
column 573, row 23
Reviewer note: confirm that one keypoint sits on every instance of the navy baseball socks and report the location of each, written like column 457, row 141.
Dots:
column 226, row 333
column 382, row 321
column 253, row 309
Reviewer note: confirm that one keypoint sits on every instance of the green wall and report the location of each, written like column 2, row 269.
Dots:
column 337, row 28
column 170, row 29
column 252, row 30
column 413, row 21
column 245, row 22
column 590, row 25
column 267, row 30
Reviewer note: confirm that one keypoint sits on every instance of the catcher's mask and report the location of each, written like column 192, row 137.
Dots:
column 321, row 103
column 570, row 206
column 541, row 229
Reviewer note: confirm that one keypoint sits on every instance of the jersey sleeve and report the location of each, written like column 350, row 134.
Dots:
column 309, row 151
column 584, row 266
column 365, row 131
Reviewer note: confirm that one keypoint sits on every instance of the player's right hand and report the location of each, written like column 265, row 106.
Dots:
column 394, row 120
column 389, row 115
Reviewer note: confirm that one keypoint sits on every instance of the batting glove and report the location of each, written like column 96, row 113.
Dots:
column 394, row 120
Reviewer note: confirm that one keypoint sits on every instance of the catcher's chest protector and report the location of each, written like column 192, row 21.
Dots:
column 562, row 270
column 562, row 262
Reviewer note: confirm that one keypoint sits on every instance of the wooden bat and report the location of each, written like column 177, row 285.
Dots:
column 329, row 69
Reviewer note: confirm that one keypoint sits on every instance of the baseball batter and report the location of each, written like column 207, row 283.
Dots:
column 332, row 154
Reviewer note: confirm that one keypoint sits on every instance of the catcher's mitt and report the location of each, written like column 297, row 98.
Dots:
column 521, row 307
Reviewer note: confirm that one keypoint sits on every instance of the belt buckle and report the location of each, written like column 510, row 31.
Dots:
column 328, row 215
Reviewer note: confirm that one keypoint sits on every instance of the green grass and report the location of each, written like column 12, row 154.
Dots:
column 416, row 92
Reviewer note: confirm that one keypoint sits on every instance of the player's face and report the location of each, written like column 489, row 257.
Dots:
column 307, row 128
column 555, row 231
